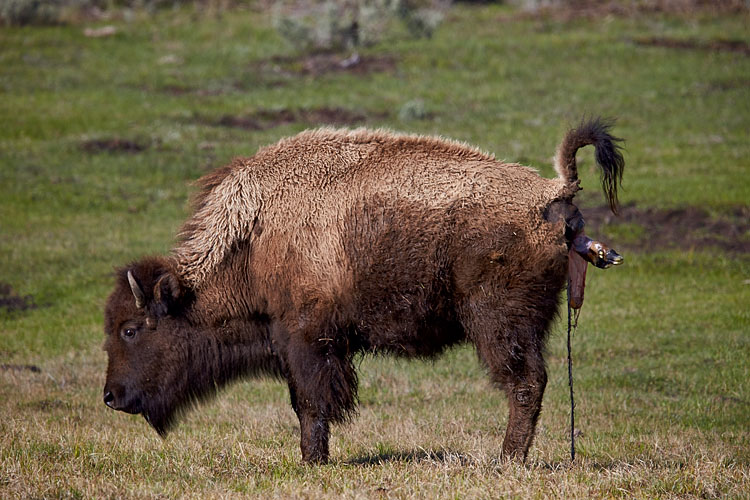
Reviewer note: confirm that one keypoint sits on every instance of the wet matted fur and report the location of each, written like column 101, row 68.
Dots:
column 335, row 242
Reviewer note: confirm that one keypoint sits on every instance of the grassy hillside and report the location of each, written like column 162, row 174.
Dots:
column 100, row 138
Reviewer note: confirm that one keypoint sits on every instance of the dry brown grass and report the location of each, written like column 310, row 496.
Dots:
column 421, row 433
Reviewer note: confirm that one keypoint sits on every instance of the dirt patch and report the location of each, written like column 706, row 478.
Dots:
column 11, row 301
column 685, row 228
column 180, row 90
column 113, row 145
column 441, row 456
column 732, row 84
column 45, row 405
column 568, row 10
column 266, row 118
column 20, row 368
column 716, row 45
column 321, row 63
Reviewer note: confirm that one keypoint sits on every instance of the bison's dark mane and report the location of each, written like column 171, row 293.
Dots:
column 213, row 359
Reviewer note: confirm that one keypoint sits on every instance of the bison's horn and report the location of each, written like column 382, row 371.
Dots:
column 140, row 297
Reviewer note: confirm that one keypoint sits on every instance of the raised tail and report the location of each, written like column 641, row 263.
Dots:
column 608, row 156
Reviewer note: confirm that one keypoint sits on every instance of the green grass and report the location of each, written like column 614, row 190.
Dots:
column 661, row 352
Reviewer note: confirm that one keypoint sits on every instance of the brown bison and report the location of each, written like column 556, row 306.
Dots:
column 334, row 243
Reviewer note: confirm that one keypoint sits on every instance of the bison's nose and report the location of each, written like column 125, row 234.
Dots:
column 109, row 398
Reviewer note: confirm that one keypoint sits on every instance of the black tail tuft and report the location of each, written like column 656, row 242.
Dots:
column 609, row 158
column 608, row 155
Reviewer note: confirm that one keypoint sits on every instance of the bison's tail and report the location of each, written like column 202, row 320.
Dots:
column 608, row 156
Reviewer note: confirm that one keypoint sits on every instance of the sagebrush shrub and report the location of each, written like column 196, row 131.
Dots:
column 24, row 12
column 348, row 24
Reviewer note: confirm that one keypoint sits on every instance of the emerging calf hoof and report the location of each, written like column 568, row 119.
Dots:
column 596, row 252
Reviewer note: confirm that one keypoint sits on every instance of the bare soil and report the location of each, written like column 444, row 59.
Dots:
column 20, row 368
column 320, row 63
column 279, row 70
column 178, row 90
column 113, row 145
column 716, row 45
column 597, row 9
column 689, row 228
column 45, row 405
column 11, row 301
column 267, row 118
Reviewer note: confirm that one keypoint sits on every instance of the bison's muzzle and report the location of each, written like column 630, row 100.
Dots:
column 116, row 399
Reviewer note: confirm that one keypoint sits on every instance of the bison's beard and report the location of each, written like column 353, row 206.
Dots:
column 164, row 409
column 162, row 424
column 161, row 415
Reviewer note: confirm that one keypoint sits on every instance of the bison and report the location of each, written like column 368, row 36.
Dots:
column 337, row 243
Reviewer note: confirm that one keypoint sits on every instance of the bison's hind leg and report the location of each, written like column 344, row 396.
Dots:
column 510, row 342
column 524, row 389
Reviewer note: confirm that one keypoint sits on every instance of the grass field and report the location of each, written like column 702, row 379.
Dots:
column 101, row 137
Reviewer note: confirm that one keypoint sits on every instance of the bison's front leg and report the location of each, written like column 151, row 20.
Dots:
column 322, row 386
column 314, row 429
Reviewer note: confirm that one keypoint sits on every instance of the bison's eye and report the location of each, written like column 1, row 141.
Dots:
column 128, row 333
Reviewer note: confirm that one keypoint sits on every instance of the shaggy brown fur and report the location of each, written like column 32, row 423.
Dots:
column 333, row 243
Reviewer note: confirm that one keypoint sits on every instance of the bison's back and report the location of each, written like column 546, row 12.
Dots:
column 313, row 182
column 343, row 165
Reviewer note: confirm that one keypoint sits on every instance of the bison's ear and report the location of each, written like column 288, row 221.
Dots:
column 167, row 294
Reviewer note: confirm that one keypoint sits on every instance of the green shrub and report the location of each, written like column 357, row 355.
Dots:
column 412, row 110
column 41, row 12
column 421, row 18
column 23, row 12
column 348, row 24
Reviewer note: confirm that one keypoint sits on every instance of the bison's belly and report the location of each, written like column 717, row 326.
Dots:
column 407, row 322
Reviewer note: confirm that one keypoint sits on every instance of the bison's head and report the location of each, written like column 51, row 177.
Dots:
column 147, row 343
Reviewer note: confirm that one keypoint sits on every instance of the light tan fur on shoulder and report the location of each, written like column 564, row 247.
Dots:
column 226, row 216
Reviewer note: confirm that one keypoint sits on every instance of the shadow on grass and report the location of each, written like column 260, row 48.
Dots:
column 442, row 456
column 448, row 457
